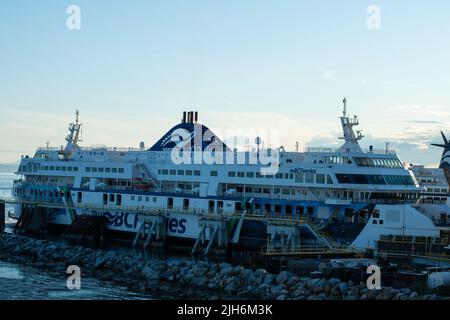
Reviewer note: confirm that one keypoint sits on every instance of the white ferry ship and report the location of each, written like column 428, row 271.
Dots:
column 348, row 196
column 435, row 199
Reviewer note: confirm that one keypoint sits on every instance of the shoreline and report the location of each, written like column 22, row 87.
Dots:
column 186, row 279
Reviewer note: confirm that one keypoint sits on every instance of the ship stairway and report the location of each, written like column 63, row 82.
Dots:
column 152, row 228
column 325, row 238
column 32, row 219
column 147, row 175
column 213, row 233
column 86, row 230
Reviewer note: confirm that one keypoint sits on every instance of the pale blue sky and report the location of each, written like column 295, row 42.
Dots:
column 285, row 65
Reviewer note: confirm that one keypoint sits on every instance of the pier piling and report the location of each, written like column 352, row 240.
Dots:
column 2, row 216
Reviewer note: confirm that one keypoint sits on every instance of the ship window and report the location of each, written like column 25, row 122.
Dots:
column 63, row 168
column 88, row 169
column 180, row 172
column 288, row 210
column 165, row 172
column 196, row 172
column 94, row 169
column 329, row 180
column 139, row 198
column 172, row 172
column 309, row 178
column 132, row 198
column 154, row 199
column 111, row 197
column 269, row 176
column 241, row 174
column 279, row 176
column 291, row 176
column 277, row 209
column 24, row 168
column 159, row 171
column 147, row 199
column 108, row 170
column 69, row 168
column 259, row 175
column 219, row 206
column 248, row 189
column 46, row 168
column 299, row 177
column 169, row 203
column 119, row 200
column 58, row 168
column 105, row 199
column 188, row 172
column 250, row 174
column 114, row 170
column 121, row 170
column 213, row 173
column 185, row 204
column 285, row 191
column 232, row 174
column 79, row 196
column 320, row 178
column 101, row 169
column 75, row 168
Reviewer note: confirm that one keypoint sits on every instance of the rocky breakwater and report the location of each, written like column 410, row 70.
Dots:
column 187, row 279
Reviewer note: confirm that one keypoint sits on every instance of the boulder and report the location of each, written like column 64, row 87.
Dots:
column 283, row 277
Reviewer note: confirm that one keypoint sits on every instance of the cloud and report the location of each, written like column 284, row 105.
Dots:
column 424, row 110
column 423, row 121
column 328, row 75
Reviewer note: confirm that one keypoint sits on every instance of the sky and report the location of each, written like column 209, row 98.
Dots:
column 134, row 66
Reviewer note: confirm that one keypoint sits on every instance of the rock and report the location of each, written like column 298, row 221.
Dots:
column 100, row 262
column 281, row 297
column 246, row 274
column 200, row 282
column 236, row 270
column 283, row 277
column 343, row 287
column 292, row 281
column 413, row 295
column 268, row 279
column 199, row 271
column 226, row 270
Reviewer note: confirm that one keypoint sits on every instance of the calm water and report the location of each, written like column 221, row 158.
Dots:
column 24, row 283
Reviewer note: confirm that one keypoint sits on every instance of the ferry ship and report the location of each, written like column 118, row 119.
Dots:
column 345, row 196
column 435, row 199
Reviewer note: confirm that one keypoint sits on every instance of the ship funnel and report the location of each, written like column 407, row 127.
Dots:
column 184, row 117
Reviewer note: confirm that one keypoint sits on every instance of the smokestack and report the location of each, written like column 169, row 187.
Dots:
column 190, row 117
column 196, row 116
column 184, row 116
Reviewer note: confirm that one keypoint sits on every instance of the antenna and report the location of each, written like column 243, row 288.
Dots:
column 345, row 107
